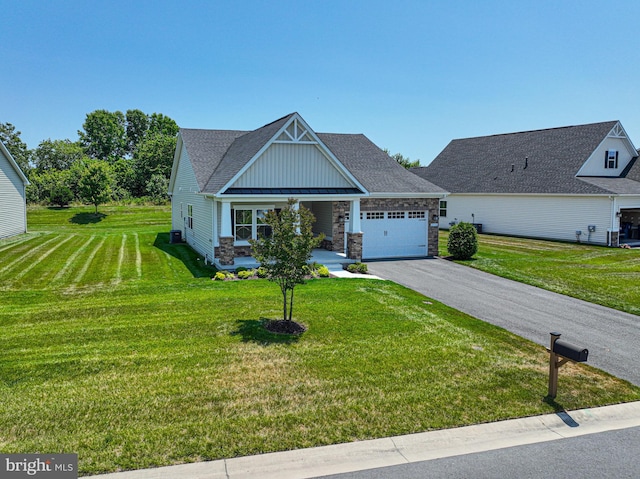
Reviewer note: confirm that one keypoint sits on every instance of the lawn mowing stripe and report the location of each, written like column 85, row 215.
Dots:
column 18, row 242
column 25, row 257
column 72, row 258
column 87, row 263
column 118, row 277
column 41, row 258
column 138, row 256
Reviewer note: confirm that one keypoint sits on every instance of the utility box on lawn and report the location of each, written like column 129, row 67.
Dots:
column 175, row 236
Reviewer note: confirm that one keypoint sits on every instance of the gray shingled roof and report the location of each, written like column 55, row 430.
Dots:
column 496, row 164
column 218, row 155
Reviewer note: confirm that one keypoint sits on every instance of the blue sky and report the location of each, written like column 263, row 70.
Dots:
column 411, row 75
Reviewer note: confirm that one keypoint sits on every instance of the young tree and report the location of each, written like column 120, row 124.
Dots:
column 284, row 253
column 95, row 182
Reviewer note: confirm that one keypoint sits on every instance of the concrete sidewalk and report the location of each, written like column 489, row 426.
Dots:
column 357, row 456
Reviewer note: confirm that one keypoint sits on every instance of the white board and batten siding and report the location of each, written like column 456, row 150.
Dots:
column 292, row 166
column 13, row 219
column 185, row 193
column 549, row 217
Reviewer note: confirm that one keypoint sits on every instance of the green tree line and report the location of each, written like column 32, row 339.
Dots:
column 117, row 157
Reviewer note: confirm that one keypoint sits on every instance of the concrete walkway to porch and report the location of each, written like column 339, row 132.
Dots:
column 331, row 259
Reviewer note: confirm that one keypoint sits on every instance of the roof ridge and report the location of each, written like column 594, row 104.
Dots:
column 537, row 130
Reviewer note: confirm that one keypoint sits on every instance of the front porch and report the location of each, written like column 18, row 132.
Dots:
column 331, row 259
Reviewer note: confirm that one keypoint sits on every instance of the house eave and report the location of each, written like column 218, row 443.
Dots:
column 442, row 194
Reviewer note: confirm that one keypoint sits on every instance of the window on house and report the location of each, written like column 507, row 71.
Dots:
column 443, row 209
column 250, row 223
column 375, row 215
column 243, row 224
column 396, row 215
column 416, row 215
column 611, row 159
column 190, row 217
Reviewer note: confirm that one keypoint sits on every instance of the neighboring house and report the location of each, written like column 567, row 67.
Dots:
column 576, row 183
column 13, row 205
column 364, row 202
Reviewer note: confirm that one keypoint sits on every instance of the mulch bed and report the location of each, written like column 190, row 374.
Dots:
column 284, row 327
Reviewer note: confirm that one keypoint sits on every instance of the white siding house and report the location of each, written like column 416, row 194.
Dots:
column 577, row 183
column 13, row 207
column 223, row 181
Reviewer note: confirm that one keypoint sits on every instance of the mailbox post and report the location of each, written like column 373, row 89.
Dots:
column 559, row 353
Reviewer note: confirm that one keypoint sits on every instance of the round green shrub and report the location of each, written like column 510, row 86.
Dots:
column 323, row 271
column 358, row 268
column 245, row 274
column 239, row 269
column 463, row 241
column 261, row 272
column 220, row 276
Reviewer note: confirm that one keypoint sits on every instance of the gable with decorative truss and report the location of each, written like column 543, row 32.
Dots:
column 295, row 158
column 611, row 156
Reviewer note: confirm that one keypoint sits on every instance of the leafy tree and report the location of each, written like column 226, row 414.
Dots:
column 157, row 188
column 159, row 123
column 95, row 182
column 284, row 253
column 124, row 179
column 56, row 154
column 463, row 241
column 18, row 148
column 154, row 156
column 104, row 135
column 402, row 160
column 60, row 193
column 137, row 127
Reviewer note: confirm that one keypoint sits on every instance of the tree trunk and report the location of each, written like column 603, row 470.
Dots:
column 291, row 306
column 284, row 304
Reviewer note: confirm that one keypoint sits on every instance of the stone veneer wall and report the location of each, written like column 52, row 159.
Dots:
column 354, row 246
column 429, row 205
column 226, row 251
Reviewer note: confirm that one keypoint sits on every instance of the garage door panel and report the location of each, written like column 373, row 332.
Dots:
column 393, row 235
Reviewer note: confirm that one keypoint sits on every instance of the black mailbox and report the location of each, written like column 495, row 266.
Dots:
column 570, row 351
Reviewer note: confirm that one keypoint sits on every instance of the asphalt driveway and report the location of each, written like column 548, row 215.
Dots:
column 612, row 337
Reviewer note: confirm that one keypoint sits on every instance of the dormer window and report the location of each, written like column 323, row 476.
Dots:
column 611, row 159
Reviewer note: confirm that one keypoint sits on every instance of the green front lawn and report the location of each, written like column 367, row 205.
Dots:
column 118, row 346
column 598, row 274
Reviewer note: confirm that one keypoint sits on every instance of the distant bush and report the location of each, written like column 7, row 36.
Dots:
column 222, row 275
column 240, row 269
column 463, row 241
column 358, row 268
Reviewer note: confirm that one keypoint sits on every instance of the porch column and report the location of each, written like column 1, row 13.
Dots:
column 226, row 249
column 354, row 217
column 296, row 208
column 354, row 235
column 225, row 220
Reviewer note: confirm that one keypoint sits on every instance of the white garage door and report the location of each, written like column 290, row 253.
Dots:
column 393, row 234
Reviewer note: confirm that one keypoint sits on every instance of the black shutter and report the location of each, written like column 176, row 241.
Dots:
column 616, row 158
column 606, row 158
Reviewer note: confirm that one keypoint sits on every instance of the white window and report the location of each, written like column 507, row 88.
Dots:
column 375, row 215
column 416, row 214
column 443, row 208
column 190, row 216
column 249, row 223
column 396, row 215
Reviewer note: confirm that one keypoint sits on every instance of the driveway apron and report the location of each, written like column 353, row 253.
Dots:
column 612, row 337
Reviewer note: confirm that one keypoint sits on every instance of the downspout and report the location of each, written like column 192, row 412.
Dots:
column 613, row 219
